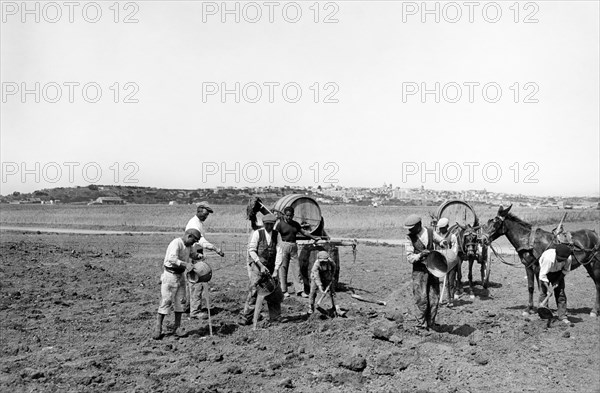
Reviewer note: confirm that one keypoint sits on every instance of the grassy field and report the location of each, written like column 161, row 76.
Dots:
column 340, row 220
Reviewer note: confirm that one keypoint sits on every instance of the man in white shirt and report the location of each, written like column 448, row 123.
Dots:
column 264, row 257
column 172, row 287
column 195, row 290
column 442, row 228
column 555, row 264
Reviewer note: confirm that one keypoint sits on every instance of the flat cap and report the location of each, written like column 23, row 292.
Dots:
column 411, row 221
column 562, row 252
column 443, row 222
column 205, row 205
column 322, row 255
column 269, row 218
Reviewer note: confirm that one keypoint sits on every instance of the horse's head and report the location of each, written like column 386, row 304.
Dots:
column 495, row 227
column 470, row 241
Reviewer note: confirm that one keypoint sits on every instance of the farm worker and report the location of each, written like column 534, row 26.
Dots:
column 264, row 256
column 555, row 264
column 426, row 286
column 322, row 276
column 442, row 229
column 172, row 287
column 288, row 228
column 194, row 291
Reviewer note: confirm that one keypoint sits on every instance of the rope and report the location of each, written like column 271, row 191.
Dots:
column 503, row 260
column 352, row 267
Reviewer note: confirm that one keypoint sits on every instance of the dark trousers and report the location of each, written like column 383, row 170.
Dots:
column 559, row 293
column 314, row 289
column 426, row 290
column 452, row 283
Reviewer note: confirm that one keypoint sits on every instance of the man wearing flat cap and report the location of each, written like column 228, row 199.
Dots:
column 264, row 257
column 426, row 286
column 555, row 264
column 203, row 209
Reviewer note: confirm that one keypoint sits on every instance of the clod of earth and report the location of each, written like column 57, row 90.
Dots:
column 286, row 383
column 354, row 363
column 384, row 330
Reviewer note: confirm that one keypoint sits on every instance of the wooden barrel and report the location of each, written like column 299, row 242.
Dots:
column 307, row 255
column 306, row 211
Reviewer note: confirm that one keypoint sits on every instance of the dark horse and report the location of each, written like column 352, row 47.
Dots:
column 585, row 244
column 471, row 249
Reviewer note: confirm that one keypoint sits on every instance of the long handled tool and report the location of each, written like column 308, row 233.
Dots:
column 441, row 297
column 257, row 308
column 323, row 295
column 362, row 299
column 206, row 291
column 543, row 311
column 321, row 310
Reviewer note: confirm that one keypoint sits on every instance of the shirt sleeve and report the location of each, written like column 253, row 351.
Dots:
column 567, row 268
column 206, row 244
column 546, row 261
column 279, row 254
column 411, row 256
column 437, row 238
column 454, row 241
column 172, row 256
column 253, row 246
column 314, row 273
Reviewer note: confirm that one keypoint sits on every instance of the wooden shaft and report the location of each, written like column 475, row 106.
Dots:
column 205, row 287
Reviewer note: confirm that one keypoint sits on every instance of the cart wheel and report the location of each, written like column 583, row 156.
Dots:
column 457, row 211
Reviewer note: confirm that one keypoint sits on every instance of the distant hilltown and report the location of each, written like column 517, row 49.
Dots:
column 378, row 196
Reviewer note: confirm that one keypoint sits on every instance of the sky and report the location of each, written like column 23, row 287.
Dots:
column 501, row 96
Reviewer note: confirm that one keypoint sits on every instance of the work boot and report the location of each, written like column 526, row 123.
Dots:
column 158, row 328
column 157, row 334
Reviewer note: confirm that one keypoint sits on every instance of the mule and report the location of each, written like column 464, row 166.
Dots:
column 471, row 249
column 530, row 245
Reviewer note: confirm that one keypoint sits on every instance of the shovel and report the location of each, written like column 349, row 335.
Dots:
column 543, row 311
column 318, row 307
column 206, row 291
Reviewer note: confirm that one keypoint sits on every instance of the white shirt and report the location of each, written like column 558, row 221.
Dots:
column 195, row 223
column 548, row 264
column 452, row 238
column 176, row 253
column 253, row 246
